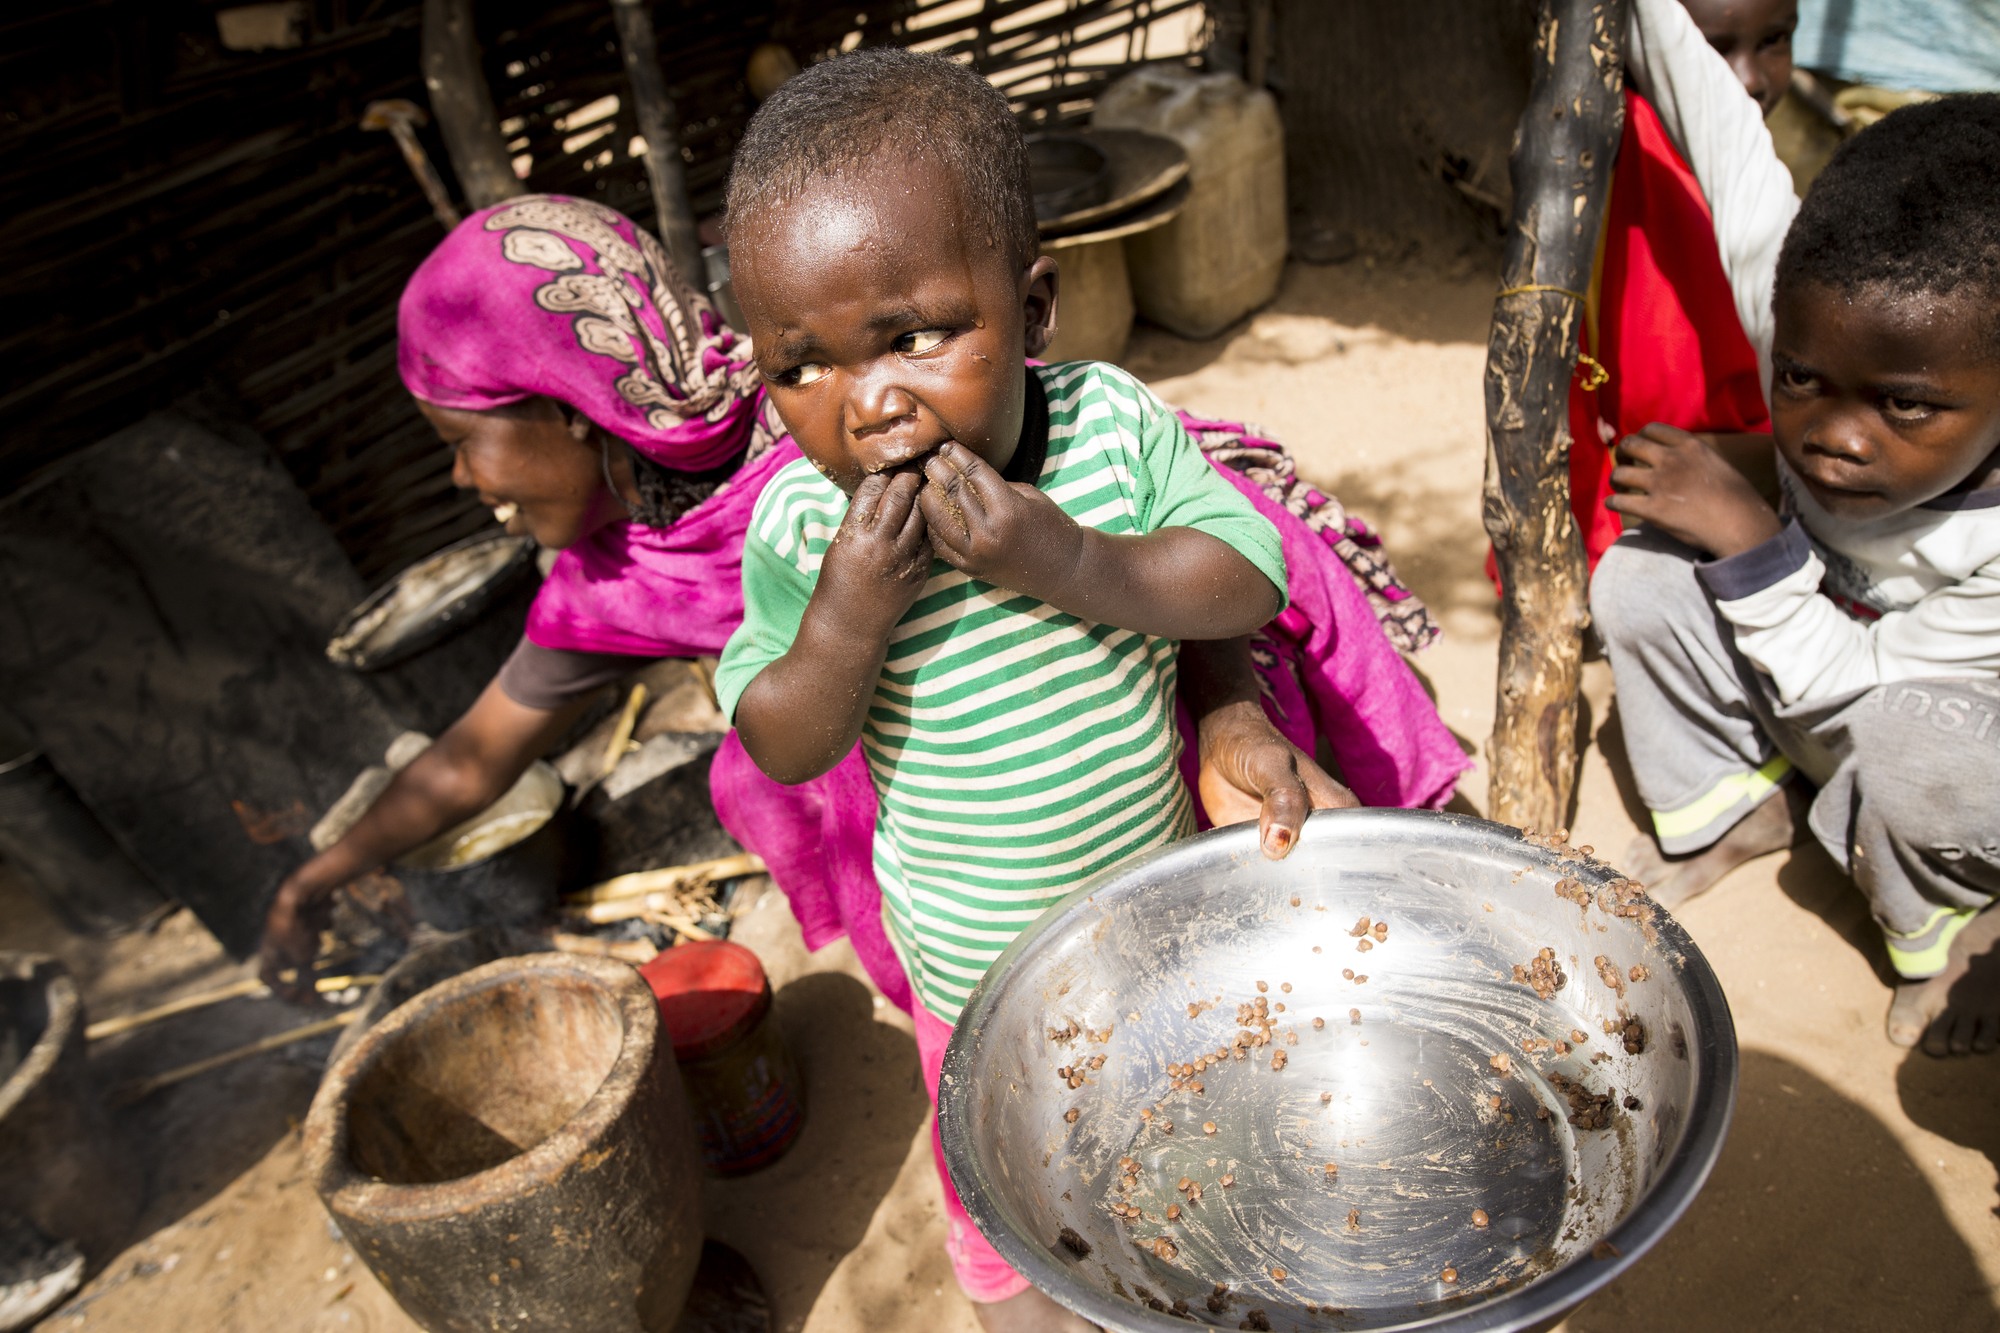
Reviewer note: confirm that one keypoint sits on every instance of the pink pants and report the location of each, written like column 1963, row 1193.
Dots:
column 977, row 1265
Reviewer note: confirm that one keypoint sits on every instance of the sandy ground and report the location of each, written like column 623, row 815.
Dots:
column 1857, row 1190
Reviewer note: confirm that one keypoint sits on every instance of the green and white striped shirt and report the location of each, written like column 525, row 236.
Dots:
column 1016, row 749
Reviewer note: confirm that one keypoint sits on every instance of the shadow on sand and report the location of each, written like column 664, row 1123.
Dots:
column 864, row 1102
column 1815, row 1219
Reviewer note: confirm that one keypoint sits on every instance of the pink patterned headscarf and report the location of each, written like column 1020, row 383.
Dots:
column 567, row 299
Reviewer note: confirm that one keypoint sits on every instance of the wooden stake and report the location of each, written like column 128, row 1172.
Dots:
column 463, row 105
column 673, row 219
column 1561, row 170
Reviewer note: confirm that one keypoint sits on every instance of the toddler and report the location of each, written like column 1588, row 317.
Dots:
column 981, row 570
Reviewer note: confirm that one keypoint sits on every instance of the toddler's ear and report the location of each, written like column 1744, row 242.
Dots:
column 1038, row 305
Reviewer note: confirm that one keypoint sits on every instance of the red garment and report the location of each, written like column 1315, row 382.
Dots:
column 1664, row 323
column 1667, row 329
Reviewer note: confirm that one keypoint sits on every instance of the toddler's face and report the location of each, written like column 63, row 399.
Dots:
column 885, row 324
column 1881, row 400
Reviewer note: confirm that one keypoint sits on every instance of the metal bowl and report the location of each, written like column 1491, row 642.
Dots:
column 1465, row 1137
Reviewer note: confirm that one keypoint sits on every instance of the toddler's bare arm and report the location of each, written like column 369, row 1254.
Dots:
column 804, row 711
column 1176, row 582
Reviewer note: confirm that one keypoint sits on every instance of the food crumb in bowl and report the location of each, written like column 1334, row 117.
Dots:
column 1361, row 979
column 1074, row 1243
column 1542, row 974
column 1228, row 1179
column 1070, row 1116
column 1361, row 928
column 1354, row 1017
column 1295, row 900
column 1173, row 1212
column 1318, row 1023
column 1638, row 972
column 1578, row 1036
column 1277, row 1274
column 1325, row 1097
column 1354, row 1219
column 1347, row 972
column 1208, row 1127
column 1380, row 930
column 1607, row 972
column 1256, row 1320
column 1502, row 1064
column 1449, row 1275
column 1278, row 1059
column 1363, row 946
column 1285, row 986
column 1316, row 948
column 1479, row 1218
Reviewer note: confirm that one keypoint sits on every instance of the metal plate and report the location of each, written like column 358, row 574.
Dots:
column 1149, row 964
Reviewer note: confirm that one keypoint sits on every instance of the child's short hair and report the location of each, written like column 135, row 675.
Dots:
column 839, row 113
column 1912, row 202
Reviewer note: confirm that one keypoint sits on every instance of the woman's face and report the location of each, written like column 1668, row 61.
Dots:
column 530, row 468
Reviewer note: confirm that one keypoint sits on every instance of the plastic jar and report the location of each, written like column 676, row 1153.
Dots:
column 1225, row 253
column 744, row 1091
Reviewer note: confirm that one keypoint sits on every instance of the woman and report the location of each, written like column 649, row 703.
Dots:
column 597, row 404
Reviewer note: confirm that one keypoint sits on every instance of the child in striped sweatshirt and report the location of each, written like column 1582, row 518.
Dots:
column 981, row 570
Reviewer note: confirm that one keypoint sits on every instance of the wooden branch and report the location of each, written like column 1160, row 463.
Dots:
column 248, row 986
column 146, row 1087
column 463, row 105
column 667, row 879
column 1561, row 170
column 673, row 219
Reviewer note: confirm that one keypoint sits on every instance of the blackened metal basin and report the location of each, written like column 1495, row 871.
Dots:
column 1413, row 1136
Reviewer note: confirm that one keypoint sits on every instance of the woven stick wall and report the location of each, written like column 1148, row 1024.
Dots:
column 183, row 215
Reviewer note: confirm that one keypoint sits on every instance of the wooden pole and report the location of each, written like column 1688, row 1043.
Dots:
column 463, row 105
column 673, row 219
column 1561, row 170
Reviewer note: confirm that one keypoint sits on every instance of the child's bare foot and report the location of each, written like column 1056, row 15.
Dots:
column 1673, row 880
column 1029, row 1312
column 1956, row 1012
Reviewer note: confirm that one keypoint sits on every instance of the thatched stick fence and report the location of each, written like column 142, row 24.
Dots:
column 1561, row 170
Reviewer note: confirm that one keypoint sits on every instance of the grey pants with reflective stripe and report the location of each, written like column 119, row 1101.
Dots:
column 1908, row 773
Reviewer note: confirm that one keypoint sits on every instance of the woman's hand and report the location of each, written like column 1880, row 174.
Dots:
column 1674, row 481
column 1250, row 771
column 291, row 939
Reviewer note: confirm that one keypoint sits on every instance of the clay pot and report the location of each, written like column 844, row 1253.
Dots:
column 61, row 1165
column 511, row 1150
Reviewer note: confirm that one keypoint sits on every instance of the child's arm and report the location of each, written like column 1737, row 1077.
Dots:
column 1249, row 770
column 804, row 711
column 1174, row 582
column 1679, row 483
column 1771, row 595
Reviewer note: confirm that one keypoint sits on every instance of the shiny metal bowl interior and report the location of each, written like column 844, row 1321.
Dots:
column 1436, row 1086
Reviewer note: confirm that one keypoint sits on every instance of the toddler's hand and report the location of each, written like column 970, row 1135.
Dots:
column 880, row 558
column 1673, row 481
column 985, row 526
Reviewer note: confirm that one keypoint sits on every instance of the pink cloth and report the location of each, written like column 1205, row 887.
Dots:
column 563, row 298
column 1328, row 670
column 819, row 840
column 979, row 1268
column 657, row 592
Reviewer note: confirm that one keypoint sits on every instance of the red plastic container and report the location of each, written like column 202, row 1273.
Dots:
column 748, row 1102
